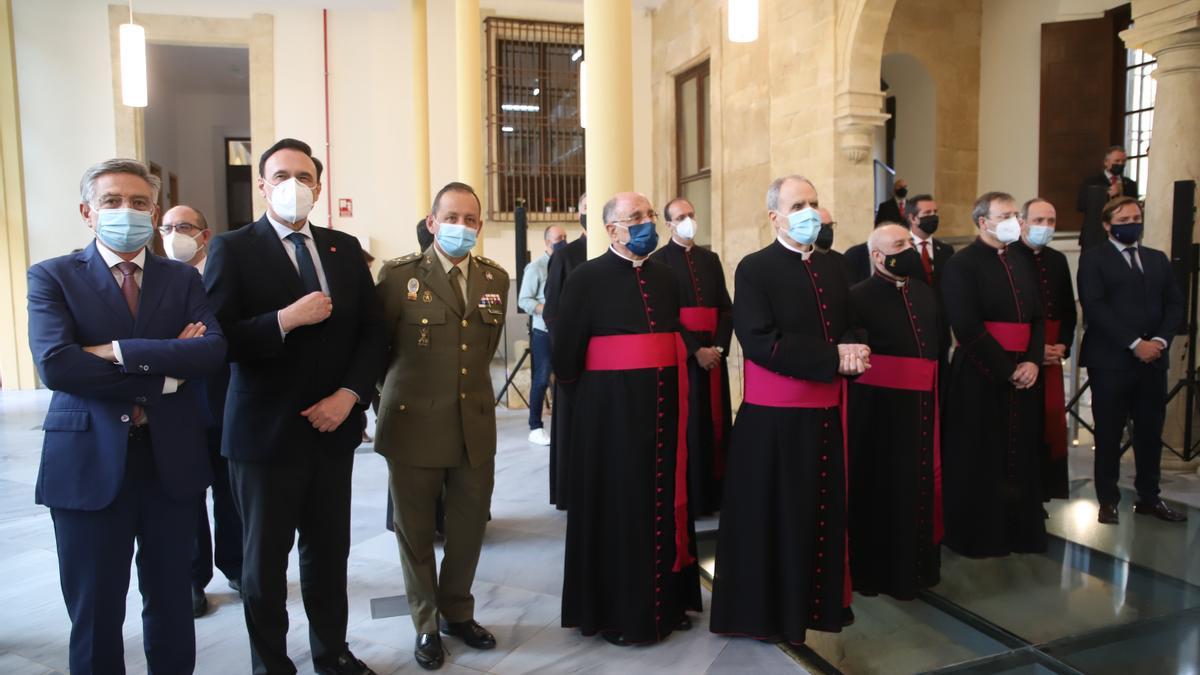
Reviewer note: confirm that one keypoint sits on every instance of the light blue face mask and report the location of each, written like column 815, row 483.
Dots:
column 1040, row 235
column 804, row 225
column 456, row 240
column 124, row 230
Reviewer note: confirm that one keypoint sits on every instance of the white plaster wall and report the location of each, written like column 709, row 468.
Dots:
column 916, row 142
column 1009, row 87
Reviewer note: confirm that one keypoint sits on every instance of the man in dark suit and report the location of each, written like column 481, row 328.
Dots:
column 120, row 335
column 921, row 218
column 306, row 347
column 1133, row 308
column 892, row 211
column 1112, row 179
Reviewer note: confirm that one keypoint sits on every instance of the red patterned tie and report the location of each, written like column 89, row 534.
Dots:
column 926, row 262
column 130, row 290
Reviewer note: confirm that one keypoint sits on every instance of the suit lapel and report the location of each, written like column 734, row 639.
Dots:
column 435, row 278
column 154, row 282
column 101, row 279
column 329, row 259
column 276, row 261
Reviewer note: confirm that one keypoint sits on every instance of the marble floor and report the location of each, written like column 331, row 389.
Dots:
column 518, row 587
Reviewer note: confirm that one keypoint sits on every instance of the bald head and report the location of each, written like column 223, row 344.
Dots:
column 888, row 239
column 184, row 214
column 625, row 210
column 180, row 224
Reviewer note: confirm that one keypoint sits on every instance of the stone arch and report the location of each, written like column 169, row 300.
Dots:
column 862, row 26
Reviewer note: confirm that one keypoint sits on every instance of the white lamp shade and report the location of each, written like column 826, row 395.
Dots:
column 583, row 94
column 743, row 20
column 133, row 65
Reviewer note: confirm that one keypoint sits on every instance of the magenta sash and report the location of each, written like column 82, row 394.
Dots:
column 704, row 320
column 1013, row 337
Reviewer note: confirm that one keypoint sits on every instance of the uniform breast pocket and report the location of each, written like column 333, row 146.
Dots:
column 433, row 316
column 419, row 325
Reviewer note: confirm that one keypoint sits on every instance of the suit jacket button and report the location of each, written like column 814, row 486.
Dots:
column 125, row 418
column 464, row 347
column 464, row 323
column 145, row 367
column 462, row 397
column 464, row 371
column 140, row 399
column 403, row 407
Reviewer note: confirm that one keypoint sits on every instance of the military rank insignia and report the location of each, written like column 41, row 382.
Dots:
column 423, row 337
column 492, row 302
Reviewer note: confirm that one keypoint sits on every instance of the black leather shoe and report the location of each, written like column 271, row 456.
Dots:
column 470, row 632
column 1159, row 509
column 1108, row 514
column 345, row 664
column 236, row 586
column 685, row 623
column 429, row 652
column 614, row 638
column 199, row 603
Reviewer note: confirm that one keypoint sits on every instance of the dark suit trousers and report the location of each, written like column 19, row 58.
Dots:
column 94, row 552
column 306, row 491
column 1139, row 393
column 227, row 524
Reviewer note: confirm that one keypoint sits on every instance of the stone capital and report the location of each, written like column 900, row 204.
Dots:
column 856, row 118
column 1162, row 24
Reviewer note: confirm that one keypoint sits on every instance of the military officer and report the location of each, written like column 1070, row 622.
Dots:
column 444, row 311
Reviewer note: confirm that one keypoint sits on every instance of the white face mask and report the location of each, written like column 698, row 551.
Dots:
column 686, row 229
column 292, row 200
column 180, row 246
column 1008, row 231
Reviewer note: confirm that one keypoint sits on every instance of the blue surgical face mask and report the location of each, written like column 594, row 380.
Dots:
column 124, row 230
column 1040, row 235
column 643, row 238
column 456, row 240
column 804, row 225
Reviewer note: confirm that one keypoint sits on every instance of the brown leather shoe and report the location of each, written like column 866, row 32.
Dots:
column 1159, row 509
column 1108, row 514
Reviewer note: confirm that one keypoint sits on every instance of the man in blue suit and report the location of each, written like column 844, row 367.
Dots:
column 118, row 333
column 1133, row 308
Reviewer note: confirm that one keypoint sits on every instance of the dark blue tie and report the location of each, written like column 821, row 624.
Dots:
column 308, row 271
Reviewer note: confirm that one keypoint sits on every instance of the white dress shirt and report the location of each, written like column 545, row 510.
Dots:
column 1137, row 256
column 283, row 231
column 170, row 384
column 917, row 241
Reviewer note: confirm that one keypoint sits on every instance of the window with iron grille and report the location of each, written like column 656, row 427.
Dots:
column 535, row 143
column 1140, row 89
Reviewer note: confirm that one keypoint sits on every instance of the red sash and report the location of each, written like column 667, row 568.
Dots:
column 1013, row 337
column 914, row 374
column 704, row 320
column 772, row 390
column 1055, row 432
column 655, row 350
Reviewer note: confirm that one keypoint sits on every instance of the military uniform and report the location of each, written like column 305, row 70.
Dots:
column 437, row 420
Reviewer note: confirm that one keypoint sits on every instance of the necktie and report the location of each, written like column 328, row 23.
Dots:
column 927, row 262
column 304, row 261
column 1130, row 252
column 129, row 287
column 459, row 304
column 130, row 290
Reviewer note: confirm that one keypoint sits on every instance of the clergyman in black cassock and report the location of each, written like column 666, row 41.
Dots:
column 706, row 318
column 781, row 564
column 991, row 457
column 562, row 263
column 629, row 568
column 895, row 463
column 1058, row 305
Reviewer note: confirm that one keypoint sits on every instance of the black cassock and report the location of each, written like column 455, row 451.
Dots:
column 892, row 479
column 781, row 551
column 991, row 450
column 621, row 534
column 1058, row 304
column 702, row 284
column 562, row 263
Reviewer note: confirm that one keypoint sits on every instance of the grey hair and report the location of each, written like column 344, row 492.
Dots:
column 984, row 204
column 777, row 184
column 582, row 199
column 87, row 184
column 609, row 213
column 1114, row 148
column 1031, row 202
column 873, row 240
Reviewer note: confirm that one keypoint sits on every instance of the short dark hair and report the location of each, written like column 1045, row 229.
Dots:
column 289, row 144
column 1113, row 148
column 455, row 186
column 1031, row 202
column 1114, row 204
column 667, row 208
column 983, row 205
column 913, row 205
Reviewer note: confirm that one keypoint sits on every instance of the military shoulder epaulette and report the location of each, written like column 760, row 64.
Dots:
column 489, row 262
column 411, row 257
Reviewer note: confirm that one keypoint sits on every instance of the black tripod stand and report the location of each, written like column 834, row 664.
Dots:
column 516, row 369
column 1189, row 382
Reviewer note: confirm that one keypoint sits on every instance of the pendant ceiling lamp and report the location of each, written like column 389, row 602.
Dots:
column 133, row 63
column 743, row 20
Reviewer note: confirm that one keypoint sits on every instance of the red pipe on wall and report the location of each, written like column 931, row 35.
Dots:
column 328, row 183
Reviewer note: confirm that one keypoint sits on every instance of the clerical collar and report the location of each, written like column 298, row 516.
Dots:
column 687, row 247
column 622, row 256
column 897, row 281
column 803, row 254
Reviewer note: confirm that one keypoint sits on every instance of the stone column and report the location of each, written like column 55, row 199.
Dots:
column 16, row 362
column 1171, row 32
column 469, row 83
column 607, row 26
column 420, row 110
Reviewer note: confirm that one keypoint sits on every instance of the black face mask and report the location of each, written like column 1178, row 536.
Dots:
column 902, row 192
column 1127, row 233
column 904, row 264
column 1117, row 169
column 583, row 220
column 824, row 237
column 558, row 245
column 928, row 224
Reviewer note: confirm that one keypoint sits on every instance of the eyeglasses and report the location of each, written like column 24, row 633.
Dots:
column 637, row 217
column 186, row 229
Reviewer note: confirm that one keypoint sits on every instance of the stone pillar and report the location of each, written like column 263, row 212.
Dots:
column 16, row 362
column 607, row 26
column 469, row 83
column 420, row 110
column 1171, row 32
